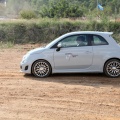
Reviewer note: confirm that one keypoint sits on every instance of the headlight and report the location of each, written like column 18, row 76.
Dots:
column 25, row 58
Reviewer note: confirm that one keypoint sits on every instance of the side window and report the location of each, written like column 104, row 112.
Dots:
column 82, row 40
column 98, row 40
column 74, row 41
column 69, row 41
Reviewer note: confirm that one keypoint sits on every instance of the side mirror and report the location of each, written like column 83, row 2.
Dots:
column 59, row 46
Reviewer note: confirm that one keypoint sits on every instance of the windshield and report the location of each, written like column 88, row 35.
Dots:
column 54, row 41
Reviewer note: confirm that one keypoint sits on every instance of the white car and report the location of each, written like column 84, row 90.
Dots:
column 98, row 53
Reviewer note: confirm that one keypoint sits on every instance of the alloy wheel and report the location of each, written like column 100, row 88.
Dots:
column 41, row 68
column 112, row 68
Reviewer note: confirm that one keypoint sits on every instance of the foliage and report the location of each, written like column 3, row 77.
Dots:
column 61, row 8
column 46, row 30
column 27, row 14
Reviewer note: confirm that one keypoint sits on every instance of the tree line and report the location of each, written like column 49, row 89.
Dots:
column 61, row 8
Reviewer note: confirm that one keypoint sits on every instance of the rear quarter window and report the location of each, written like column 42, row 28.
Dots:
column 99, row 40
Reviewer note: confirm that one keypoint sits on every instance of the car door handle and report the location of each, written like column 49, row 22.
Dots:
column 88, row 52
column 68, row 53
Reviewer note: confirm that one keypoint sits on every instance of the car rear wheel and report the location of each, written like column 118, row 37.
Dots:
column 41, row 68
column 112, row 68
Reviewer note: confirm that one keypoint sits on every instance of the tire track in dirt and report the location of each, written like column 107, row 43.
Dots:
column 11, row 75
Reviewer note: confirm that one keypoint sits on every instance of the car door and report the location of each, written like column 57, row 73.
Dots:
column 71, row 56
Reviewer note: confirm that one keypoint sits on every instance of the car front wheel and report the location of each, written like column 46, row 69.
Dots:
column 41, row 68
column 112, row 68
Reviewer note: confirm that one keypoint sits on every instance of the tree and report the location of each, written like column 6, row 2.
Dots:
column 61, row 8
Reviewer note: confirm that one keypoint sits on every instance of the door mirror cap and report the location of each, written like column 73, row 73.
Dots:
column 59, row 45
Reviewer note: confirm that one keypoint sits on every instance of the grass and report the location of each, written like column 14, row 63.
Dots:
column 6, row 45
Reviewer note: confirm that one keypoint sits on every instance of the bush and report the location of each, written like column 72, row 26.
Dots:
column 46, row 30
column 61, row 9
column 28, row 14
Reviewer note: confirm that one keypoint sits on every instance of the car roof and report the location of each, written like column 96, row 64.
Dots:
column 91, row 32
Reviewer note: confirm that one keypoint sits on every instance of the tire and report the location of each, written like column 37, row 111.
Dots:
column 41, row 68
column 112, row 68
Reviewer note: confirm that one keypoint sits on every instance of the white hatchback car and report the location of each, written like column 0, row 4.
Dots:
column 75, row 52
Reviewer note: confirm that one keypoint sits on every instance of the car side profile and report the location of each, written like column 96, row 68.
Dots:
column 75, row 52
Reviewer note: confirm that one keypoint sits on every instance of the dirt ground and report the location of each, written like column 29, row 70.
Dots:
column 58, row 97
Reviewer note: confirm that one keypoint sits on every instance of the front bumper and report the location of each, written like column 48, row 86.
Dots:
column 25, row 68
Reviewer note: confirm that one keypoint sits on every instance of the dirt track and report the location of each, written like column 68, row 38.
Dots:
column 58, row 97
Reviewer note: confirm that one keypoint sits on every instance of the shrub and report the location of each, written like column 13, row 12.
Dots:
column 46, row 30
column 28, row 14
column 61, row 9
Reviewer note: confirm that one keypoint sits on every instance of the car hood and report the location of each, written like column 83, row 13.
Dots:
column 36, row 51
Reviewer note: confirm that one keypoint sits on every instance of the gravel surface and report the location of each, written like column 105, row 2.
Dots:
column 58, row 97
